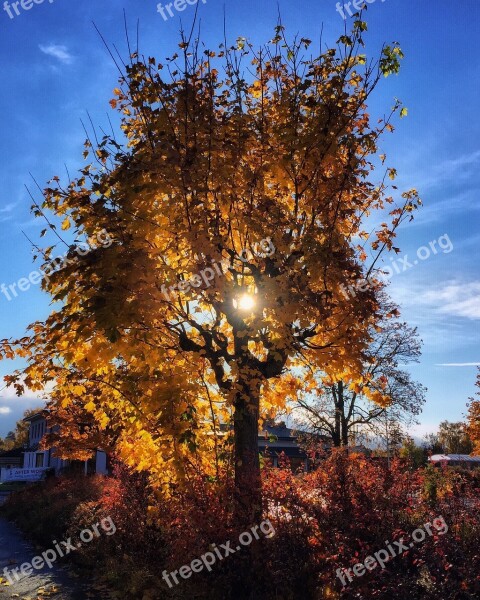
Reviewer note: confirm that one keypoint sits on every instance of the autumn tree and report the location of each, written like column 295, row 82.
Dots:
column 347, row 413
column 451, row 438
column 431, row 443
column 18, row 438
column 454, row 438
column 75, row 433
column 21, row 432
column 473, row 425
column 473, row 419
column 8, row 442
column 186, row 321
column 414, row 455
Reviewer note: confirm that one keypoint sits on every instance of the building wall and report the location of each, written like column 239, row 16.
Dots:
column 36, row 459
column 45, row 458
column 38, row 428
column 11, row 463
column 101, row 463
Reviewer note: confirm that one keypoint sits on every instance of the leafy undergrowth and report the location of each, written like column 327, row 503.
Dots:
column 332, row 518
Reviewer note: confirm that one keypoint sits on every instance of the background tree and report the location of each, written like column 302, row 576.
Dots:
column 8, row 442
column 451, row 438
column 19, row 437
column 432, row 444
column 415, row 455
column 473, row 425
column 345, row 413
column 391, row 437
column 217, row 158
column 454, row 438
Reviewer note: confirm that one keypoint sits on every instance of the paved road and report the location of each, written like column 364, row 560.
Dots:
column 55, row 583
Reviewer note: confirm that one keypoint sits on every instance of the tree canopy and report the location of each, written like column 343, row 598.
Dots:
column 182, row 323
column 474, row 419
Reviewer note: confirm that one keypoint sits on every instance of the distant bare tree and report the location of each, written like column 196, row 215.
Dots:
column 347, row 415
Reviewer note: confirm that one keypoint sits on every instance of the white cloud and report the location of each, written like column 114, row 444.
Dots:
column 455, row 299
column 8, row 393
column 59, row 52
column 464, row 168
column 452, row 166
column 443, row 311
column 474, row 364
column 5, row 410
column 8, row 208
column 4, row 212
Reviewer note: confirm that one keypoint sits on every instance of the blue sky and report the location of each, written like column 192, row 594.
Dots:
column 55, row 69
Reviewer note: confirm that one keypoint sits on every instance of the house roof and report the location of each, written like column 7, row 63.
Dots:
column 272, row 435
column 290, row 452
column 279, row 431
column 38, row 415
column 282, row 432
column 13, row 453
column 455, row 457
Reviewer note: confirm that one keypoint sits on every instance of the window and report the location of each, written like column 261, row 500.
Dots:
column 39, row 460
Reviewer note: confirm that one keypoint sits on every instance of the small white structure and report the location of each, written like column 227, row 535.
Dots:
column 456, row 460
column 22, row 474
column 35, row 458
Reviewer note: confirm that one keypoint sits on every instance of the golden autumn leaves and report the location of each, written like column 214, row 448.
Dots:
column 211, row 162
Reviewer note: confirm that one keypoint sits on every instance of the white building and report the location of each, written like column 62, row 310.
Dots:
column 456, row 460
column 35, row 458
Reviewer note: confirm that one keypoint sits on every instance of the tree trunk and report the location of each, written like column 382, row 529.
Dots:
column 248, row 492
column 340, row 436
column 337, row 428
column 343, row 420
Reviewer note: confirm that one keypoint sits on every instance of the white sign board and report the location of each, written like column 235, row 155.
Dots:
column 22, row 474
